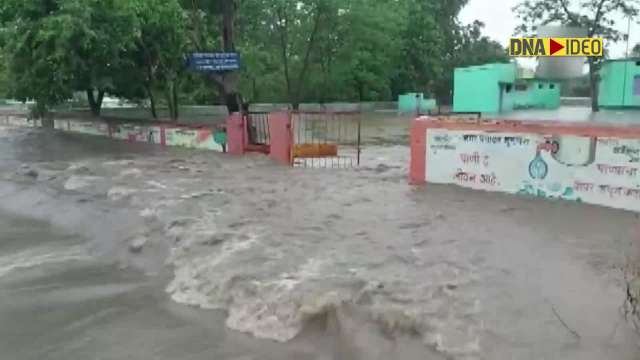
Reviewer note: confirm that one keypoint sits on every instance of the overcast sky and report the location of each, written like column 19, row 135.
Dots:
column 500, row 22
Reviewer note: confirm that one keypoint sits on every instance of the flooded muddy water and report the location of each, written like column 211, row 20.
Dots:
column 119, row 251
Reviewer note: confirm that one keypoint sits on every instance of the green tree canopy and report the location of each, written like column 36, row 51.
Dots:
column 291, row 50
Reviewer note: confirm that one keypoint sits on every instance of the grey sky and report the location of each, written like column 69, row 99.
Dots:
column 500, row 22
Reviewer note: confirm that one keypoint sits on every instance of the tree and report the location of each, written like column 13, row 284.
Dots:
column 294, row 27
column 59, row 47
column 224, row 13
column 162, row 45
column 4, row 81
column 38, row 69
column 100, row 34
column 435, row 42
column 261, row 65
column 596, row 16
column 469, row 47
column 155, row 64
column 363, row 48
column 429, row 37
column 293, row 50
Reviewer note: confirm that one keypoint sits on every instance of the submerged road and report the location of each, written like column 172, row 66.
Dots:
column 118, row 251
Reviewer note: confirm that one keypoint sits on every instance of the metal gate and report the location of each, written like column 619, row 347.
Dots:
column 325, row 140
column 257, row 130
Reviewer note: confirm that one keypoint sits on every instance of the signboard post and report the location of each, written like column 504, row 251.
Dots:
column 214, row 61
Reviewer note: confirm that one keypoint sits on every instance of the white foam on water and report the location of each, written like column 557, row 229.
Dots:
column 77, row 165
column 278, row 305
column 148, row 213
column 130, row 173
column 276, row 309
column 79, row 182
column 156, row 184
column 41, row 256
column 123, row 163
column 119, row 193
column 188, row 284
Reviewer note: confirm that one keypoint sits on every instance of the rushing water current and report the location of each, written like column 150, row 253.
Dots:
column 126, row 251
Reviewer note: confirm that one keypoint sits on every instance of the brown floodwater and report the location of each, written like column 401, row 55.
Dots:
column 118, row 251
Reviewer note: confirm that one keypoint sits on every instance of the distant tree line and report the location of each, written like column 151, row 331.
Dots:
column 292, row 50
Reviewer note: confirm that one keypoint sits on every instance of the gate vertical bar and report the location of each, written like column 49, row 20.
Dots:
column 359, row 138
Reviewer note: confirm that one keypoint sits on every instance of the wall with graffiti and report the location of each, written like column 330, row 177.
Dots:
column 603, row 171
column 205, row 138
column 82, row 127
column 15, row 120
column 202, row 138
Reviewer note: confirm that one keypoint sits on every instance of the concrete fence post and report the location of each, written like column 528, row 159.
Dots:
column 236, row 134
column 281, row 137
column 418, row 137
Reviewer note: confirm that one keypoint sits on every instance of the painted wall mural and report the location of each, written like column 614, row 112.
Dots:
column 169, row 134
column 83, row 127
column 602, row 171
column 12, row 120
column 137, row 133
column 203, row 138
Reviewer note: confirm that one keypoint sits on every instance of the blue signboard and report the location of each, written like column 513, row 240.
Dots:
column 214, row 62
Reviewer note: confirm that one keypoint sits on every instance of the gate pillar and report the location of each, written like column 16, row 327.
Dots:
column 281, row 137
column 236, row 134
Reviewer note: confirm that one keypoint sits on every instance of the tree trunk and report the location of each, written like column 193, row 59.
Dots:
column 172, row 100
column 46, row 117
column 254, row 89
column 152, row 101
column 305, row 62
column 175, row 101
column 360, row 87
column 593, row 85
column 47, row 122
column 167, row 96
column 283, row 20
column 148, row 85
column 229, row 81
column 233, row 101
column 99, row 102
column 95, row 104
column 174, row 96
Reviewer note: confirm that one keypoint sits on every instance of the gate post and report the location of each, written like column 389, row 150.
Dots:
column 418, row 143
column 281, row 137
column 235, row 134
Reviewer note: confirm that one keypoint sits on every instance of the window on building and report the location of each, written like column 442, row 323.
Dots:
column 521, row 87
column 540, row 86
column 508, row 88
column 552, row 86
column 636, row 85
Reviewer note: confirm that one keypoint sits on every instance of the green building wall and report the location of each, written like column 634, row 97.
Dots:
column 494, row 88
column 620, row 84
column 537, row 94
column 484, row 88
column 409, row 103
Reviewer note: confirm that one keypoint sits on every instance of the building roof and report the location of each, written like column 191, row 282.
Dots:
column 485, row 66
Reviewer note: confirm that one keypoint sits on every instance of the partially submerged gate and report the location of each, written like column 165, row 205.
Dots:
column 257, row 131
column 301, row 139
column 325, row 140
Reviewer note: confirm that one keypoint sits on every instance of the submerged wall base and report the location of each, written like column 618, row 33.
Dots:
column 230, row 138
column 206, row 138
